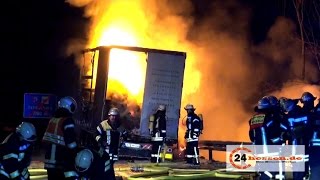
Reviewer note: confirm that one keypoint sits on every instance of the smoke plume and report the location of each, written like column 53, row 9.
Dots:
column 225, row 74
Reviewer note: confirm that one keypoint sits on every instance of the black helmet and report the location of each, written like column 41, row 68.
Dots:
column 273, row 101
column 263, row 103
column 289, row 105
column 307, row 97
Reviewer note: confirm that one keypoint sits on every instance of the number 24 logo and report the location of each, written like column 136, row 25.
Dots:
column 239, row 157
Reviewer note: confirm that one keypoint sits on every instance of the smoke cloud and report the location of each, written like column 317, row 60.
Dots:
column 225, row 74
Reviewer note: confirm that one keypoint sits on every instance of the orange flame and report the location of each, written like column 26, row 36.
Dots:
column 154, row 24
column 126, row 69
column 181, row 148
column 127, row 23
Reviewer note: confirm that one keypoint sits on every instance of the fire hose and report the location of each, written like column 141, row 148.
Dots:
column 181, row 174
column 141, row 171
column 206, row 173
column 165, row 173
column 38, row 174
column 160, row 172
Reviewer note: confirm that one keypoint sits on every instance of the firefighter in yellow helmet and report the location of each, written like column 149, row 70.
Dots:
column 108, row 134
column 158, row 131
column 193, row 123
column 16, row 152
column 60, row 139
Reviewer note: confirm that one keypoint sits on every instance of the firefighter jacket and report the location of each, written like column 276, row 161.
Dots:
column 317, row 108
column 315, row 128
column 15, row 157
column 299, row 127
column 108, row 137
column 259, row 128
column 60, row 139
column 100, row 167
column 277, row 127
column 300, row 131
column 158, row 127
column 264, row 131
column 193, row 128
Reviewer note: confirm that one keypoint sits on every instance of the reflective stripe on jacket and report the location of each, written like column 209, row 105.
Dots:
column 54, row 134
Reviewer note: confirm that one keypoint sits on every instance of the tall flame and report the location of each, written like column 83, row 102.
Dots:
column 221, row 54
column 128, row 23
column 126, row 69
column 117, row 25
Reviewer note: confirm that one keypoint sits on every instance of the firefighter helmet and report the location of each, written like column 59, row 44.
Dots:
column 273, row 101
column 189, row 107
column 27, row 131
column 289, row 105
column 113, row 112
column 83, row 160
column 307, row 97
column 68, row 103
column 282, row 100
column 264, row 103
column 162, row 107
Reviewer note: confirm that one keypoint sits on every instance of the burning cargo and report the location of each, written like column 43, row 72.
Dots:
column 163, row 85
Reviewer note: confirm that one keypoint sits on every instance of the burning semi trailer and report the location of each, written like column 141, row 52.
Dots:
column 163, row 84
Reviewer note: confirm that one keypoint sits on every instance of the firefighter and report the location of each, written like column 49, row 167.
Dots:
column 157, row 129
column 281, row 102
column 278, row 130
column 259, row 123
column 275, row 105
column 16, row 152
column 265, row 130
column 108, row 134
column 314, row 154
column 90, row 164
column 300, row 132
column 60, row 139
column 278, row 125
column 275, row 108
column 307, row 99
column 193, row 123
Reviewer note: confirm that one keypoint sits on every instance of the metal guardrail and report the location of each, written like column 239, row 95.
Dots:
column 218, row 146
column 221, row 143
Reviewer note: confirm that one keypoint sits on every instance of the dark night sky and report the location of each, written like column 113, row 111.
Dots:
column 33, row 33
column 32, row 36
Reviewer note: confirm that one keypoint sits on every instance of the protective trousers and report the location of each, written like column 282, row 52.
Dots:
column 314, row 162
column 54, row 174
column 305, row 173
column 24, row 174
column 301, row 174
column 274, row 174
column 275, row 169
column 192, row 153
column 156, row 151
